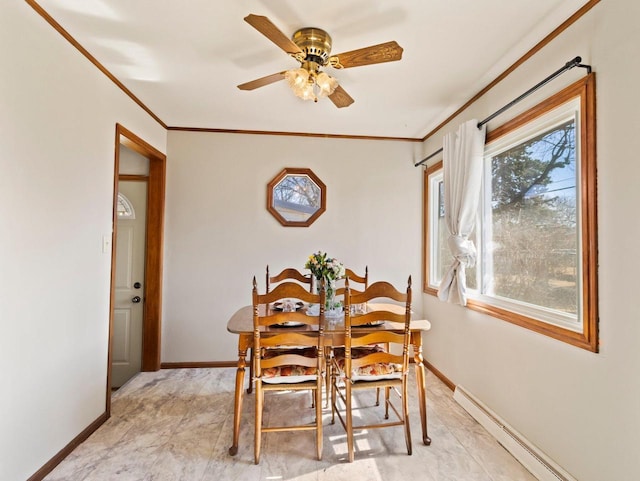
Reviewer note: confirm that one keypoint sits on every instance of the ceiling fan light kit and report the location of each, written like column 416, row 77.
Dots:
column 312, row 48
column 308, row 82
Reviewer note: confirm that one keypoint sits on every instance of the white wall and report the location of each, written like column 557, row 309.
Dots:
column 132, row 163
column 57, row 134
column 219, row 233
column 581, row 408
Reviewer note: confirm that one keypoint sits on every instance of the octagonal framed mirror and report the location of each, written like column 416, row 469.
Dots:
column 296, row 197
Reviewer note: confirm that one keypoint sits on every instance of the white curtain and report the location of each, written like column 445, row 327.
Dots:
column 462, row 164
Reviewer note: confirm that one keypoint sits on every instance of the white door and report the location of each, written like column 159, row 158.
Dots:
column 129, row 285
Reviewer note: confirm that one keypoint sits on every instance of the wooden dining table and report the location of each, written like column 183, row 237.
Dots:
column 241, row 323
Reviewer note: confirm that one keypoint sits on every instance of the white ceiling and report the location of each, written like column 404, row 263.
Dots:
column 184, row 59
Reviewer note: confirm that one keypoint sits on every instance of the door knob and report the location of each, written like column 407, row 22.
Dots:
column 136, row 299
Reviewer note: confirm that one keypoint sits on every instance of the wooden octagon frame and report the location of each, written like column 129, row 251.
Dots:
column 296, row 172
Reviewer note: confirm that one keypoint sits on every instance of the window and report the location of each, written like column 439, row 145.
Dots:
column 536, row 230
column 125, row 208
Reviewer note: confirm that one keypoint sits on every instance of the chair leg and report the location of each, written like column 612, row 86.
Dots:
column 250, row 388
column 327, row 369
column 334, row 380
column 387, row 392
column 349, row 421
column 258, row 427
column 405, row 415
column 318, row 393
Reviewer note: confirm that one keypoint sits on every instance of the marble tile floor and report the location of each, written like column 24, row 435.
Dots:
column 176, row 424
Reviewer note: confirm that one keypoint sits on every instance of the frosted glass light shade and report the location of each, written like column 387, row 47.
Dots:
column 326, row 84
column 297, row 78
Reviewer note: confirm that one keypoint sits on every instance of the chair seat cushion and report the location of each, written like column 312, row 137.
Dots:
column 289, row 374
column 370, row 372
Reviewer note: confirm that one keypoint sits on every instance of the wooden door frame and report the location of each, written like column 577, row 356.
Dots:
column 152, row 317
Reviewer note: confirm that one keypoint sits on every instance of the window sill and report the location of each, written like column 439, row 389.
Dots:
column 584, row 340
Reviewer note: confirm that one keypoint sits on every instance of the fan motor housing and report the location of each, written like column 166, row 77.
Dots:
column 315, row 43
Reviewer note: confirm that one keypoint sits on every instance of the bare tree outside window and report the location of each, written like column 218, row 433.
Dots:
column 534, row 239
column 298, row 190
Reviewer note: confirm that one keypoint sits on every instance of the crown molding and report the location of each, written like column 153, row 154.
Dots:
column 293, row 134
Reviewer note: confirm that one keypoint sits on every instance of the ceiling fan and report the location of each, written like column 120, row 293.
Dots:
column 312, row 48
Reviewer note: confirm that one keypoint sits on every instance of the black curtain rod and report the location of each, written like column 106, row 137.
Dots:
column 568, row 66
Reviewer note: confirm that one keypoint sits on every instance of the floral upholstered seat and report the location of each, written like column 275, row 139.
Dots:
column 370, row 372
column 289, row 373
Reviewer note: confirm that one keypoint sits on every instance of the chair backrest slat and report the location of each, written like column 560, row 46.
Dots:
column 353, row 279
column 376, row 357
column 288, row 360
column 376, row 337
column 289, row 274
column 290, row 339
column 375, row 316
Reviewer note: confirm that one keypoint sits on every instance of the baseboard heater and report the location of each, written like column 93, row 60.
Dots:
column 538, row 464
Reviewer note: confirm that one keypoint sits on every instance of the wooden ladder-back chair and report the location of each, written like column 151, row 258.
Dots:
column 287, row 274
column 364, row 364
column 286, row 359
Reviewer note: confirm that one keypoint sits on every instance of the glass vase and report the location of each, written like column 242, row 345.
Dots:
column 330, row 291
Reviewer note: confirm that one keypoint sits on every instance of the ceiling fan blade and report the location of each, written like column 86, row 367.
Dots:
column 341, row 98
column 261, row 82
column 273, row 33
column 384, row 52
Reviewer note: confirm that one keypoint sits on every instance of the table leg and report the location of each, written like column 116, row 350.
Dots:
column 237, row 405
column 421, row 384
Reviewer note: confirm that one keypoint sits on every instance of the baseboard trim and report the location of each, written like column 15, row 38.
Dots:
column 64, row 452
column 190, row 364
column 440, row 376
column 530, row 456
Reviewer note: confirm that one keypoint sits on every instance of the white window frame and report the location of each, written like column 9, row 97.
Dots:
column 567, row 111
column 434, row 180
